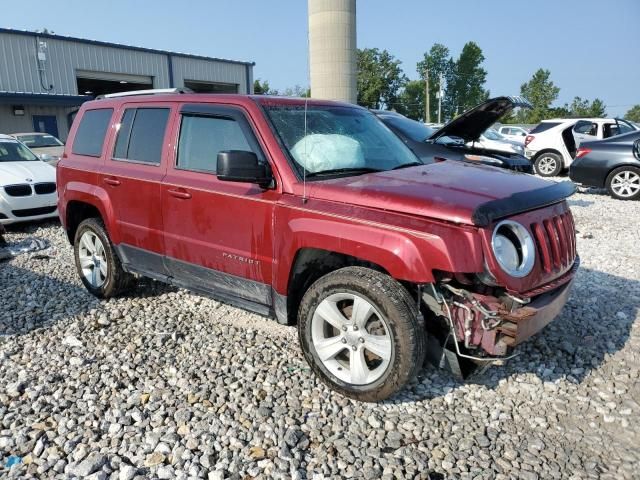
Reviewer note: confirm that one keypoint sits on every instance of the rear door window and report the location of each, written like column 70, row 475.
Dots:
column 586, row 128
column 89, row 138
column 543, row 127
column 141, row 135
column 202, row 138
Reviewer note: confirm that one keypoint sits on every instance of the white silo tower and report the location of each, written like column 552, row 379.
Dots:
column 332, row 49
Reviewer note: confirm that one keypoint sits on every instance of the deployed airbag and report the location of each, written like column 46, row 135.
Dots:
column 318, row 152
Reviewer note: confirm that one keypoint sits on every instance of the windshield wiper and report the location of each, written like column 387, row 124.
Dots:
column 407, row 165
column 339, row 171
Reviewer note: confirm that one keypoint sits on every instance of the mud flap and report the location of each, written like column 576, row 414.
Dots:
column 446, row 358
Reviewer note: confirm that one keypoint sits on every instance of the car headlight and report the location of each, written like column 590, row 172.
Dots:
column 513, row 248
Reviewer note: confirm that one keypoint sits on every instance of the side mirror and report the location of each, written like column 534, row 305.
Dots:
column 242, row 166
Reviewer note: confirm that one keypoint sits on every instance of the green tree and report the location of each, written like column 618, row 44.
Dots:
column 633, row 114
column 380, row 78
column 437, row 61
column 541, row 93
column 411, row 100
column 465, row 82
column 585, row 108
column 261, row 87
column 296, row 91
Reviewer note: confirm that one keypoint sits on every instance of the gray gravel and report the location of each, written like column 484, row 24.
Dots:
column 165, row 384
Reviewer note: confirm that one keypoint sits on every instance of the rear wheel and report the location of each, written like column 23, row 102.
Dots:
column 97, row 263
column 548, row 164
column 360, row 333
column 624, row 183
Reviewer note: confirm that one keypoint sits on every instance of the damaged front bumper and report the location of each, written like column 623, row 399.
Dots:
column 486, row 327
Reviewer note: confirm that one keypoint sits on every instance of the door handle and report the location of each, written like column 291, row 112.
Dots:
column 112, row 181
column 182, row 194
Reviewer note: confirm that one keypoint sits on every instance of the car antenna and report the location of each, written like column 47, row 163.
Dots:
column 306, row 101
column 304, row 168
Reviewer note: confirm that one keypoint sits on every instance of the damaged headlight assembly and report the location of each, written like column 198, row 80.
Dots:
column 513, row 248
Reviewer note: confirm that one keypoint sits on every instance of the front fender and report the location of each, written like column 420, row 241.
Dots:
column 406, row 254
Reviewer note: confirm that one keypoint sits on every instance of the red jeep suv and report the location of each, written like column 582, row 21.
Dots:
column 315, row 213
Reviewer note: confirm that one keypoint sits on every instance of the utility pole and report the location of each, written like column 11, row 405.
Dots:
column 440, row 99
column 427, row 110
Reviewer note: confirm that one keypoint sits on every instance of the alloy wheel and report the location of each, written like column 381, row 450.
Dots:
column 546, row 165
column 351, row 338
column 93, row 260
column 625, row 184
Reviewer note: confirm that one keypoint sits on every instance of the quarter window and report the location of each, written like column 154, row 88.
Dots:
column 202, row 138
column 89, row 138
column 141, row 135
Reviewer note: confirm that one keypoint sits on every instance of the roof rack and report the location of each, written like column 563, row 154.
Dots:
column 153, row 91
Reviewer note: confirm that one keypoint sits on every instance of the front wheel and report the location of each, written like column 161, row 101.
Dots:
column 624, row 183
column 548, row 164
column 360, row 333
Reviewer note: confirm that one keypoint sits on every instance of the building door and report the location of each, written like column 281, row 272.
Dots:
column 46, row 124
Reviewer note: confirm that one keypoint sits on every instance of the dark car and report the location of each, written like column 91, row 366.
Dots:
column 613, row 163
column 455, row 140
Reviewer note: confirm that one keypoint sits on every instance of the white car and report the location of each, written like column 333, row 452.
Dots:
column 45, row 146
column 492, row 140
column 27, row 184
column 517, row 134
column 552, row 144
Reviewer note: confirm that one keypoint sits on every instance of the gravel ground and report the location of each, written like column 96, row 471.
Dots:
column 165, row 384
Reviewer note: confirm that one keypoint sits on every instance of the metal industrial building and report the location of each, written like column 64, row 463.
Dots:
column 45, row 77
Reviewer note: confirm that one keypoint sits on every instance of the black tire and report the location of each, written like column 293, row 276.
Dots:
column 394, row 303
column 633, row 171
column 544, row 161
column 117, row 280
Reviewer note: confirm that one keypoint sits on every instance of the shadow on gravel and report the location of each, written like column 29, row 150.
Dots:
column 580, row 203
column 32, row 300
column 594, row 324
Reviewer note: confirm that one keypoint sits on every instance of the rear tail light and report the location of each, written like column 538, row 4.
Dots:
column 582, row 152
column 528, row 140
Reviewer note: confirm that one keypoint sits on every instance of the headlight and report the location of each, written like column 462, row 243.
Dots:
column 513, row 247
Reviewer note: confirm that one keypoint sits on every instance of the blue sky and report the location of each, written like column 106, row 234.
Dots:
column 592, row 47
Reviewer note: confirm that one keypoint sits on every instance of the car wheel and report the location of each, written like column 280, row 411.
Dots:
column 360, row 333
column 97, row 263
column 548, row 164
column 624, row 183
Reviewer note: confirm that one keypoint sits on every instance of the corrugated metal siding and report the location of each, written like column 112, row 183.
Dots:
column 19, row 66
column 209, row 71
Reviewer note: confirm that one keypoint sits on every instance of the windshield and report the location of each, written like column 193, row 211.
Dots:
column 36, row 141
column 493, row 135
column 416, row 131
column 13, row 151
column 341, row 140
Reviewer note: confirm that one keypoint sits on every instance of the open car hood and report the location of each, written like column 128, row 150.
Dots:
column 470, row 125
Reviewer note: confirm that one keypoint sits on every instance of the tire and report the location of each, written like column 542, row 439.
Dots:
column 399, row 350
column 548, row 164
column 623, row 183
column 103, row 276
